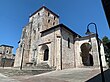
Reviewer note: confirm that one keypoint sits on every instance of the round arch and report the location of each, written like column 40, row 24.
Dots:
column 45, row 52
column 87, row 58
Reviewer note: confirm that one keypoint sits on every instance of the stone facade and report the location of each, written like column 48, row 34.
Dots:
column 6, row 56
column 45, row 41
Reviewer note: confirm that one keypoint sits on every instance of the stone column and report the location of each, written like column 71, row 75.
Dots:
column 58, row 58
column 104, row 64
column 95, row 53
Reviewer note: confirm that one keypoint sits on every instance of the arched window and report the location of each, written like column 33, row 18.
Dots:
column 38, row 26
column 68, row 43
column 46, row 54
column 34, row 33
column 48, row 14
column 53, row 23
column 54, row 17
column 48, row 21
column 38, row 14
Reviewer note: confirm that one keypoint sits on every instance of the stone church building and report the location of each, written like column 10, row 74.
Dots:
column 45, row 41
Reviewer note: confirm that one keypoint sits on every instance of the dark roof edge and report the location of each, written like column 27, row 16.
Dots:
column 46, row 9
column 86, row 37
column 50, row 28
column 61, row 25
column 7, row 46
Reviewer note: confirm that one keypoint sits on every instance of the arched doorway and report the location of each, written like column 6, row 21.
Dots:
column 45, row 52
column 87, row 58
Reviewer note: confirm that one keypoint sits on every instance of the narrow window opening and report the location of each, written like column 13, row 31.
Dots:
column 38, row 14
column 48, row 14
column 48, row 21
column 38, row 29
column 54, row 18
column 38, row 26
column 68, row 43
column 34, row 34
column 7, row 51
column 46, row 52
column 53, row 23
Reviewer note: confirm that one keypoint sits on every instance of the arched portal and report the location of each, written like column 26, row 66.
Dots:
column 87, row 58
column 45, row 52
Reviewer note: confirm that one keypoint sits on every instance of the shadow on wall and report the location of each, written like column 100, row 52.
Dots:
column 97, row 78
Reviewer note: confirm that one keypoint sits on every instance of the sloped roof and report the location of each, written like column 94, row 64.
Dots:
column 62, row 26
column 44, row 8
column 7, row 46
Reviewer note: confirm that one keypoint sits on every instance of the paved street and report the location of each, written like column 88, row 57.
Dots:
column 67, row 75
column 6, row 79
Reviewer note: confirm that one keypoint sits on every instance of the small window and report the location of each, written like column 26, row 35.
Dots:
column 10, row 52
column 38, row 14
column 38, row 26
column 53, row 23
column 7, row 51
column 46, row 55
column 34, row 31
column 38, row 29
column 48, row 14
column 68, row 43
column 34, row 34
column 48, row 21
column 54, row 17
column 21, row 46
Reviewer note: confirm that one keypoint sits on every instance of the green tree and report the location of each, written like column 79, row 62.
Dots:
column 105, row 41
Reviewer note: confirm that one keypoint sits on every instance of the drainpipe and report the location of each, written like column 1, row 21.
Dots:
column 61, row 48
column 30, row 33
column 74, row 52
column 54, row 49
column 30, row 36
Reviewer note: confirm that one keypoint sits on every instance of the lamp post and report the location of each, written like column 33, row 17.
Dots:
column 34, row 62
column 4, row 59
column 100, row 60
column 22, row 58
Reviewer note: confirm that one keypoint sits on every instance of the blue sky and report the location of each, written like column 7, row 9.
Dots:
column 76, row 14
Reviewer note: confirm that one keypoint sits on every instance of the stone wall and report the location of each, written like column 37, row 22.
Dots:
column 94, row 51
column 49, row 39
column 6, row 56
column 68, row 55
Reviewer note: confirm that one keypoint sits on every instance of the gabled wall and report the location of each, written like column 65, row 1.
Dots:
column 68, row 55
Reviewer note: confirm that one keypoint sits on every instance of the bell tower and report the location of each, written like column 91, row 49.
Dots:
column 44, row 19
column 41, row 20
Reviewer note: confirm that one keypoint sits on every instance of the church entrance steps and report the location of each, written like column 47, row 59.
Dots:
column 40, row 66
column 43, row 65
column 10, row 72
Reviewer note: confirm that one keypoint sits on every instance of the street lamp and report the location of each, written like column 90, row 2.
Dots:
column 33, row 60
column 22, row 57
column 100, row 60
column 4, row 60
